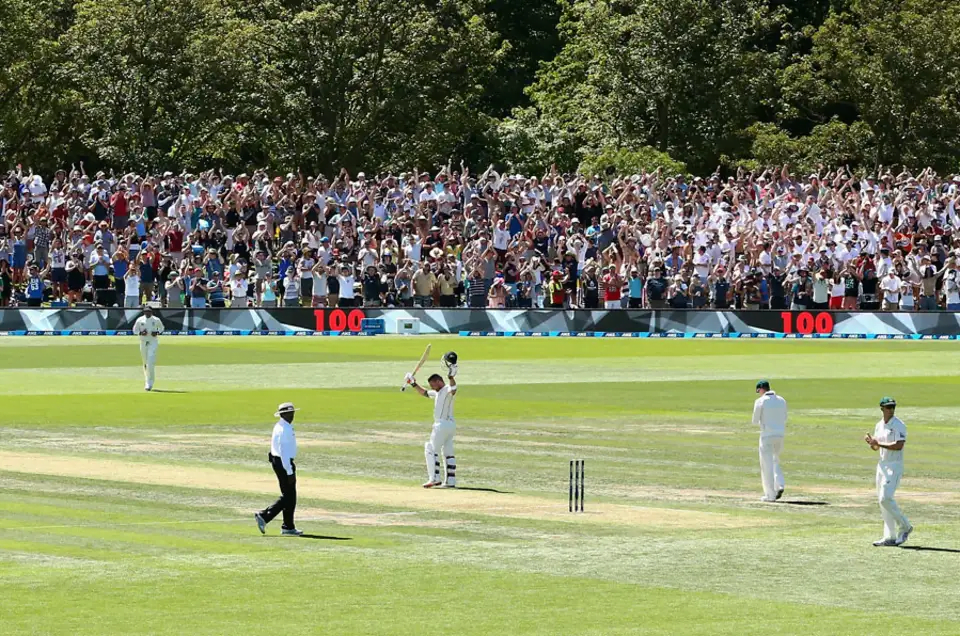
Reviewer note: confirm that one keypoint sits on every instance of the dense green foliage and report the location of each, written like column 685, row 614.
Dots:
column 406, row 84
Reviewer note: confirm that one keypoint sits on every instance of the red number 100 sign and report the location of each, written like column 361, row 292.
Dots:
column 339, row 320
column 806, row 322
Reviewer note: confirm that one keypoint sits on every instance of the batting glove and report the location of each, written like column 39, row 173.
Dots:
column 409, row 379
column 452, row 371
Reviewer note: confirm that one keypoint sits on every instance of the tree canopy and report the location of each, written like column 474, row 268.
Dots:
column 377, row 85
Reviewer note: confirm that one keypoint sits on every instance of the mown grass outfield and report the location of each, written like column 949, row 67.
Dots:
column 125, row 512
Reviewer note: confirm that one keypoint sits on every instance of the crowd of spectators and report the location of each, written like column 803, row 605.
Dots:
column 750, row 240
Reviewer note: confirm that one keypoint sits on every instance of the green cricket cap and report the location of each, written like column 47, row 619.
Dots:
column 763, row 384
column 887, row 401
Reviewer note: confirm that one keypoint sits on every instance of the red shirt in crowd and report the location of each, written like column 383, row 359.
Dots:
column 612, row 287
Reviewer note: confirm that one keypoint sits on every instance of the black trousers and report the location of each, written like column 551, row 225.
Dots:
column 287, row 502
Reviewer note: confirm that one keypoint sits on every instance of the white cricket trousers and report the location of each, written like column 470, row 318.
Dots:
column 148, row 353
column 888, row 478
column 440, row 445
column 770, row 474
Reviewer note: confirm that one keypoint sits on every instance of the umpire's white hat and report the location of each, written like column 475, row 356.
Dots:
column 286, row 407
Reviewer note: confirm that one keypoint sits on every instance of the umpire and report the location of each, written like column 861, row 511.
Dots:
column 283, row 450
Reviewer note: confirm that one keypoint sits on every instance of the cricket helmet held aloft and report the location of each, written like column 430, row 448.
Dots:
column 449, row 359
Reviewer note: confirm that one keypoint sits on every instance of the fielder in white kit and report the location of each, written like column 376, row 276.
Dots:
column 149, row 328
column 444, row 426
column 889, row 437
column 770, row 414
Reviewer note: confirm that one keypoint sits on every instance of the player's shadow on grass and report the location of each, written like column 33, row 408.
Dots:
column 805, row 503
column 319, row 536
column 923, row 548
column 167, row 391
column 501, row 492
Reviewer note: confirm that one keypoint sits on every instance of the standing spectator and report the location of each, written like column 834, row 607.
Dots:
column 635, row 289
column 698, row 293
column 678, row 293
column 131, row 280
column 35, row 285
column 99, row 264
column 215, row 288
column 424, row 283
column 19, row 263
column 657, row 289
column 951, row 285
column 6, row 283
column 822, row 283
column 198, row 290
column 890, row 286
column 404, row 287
column 42, row 238
column 268, row 291
column 319, row 284
column 291, row 288
column 721, row 289
column 147, row 277
column 556, row 292
column 174, row 288
column 497, row 296
column 613, row 288
column 75, row 281
column 347, row 289
column 58, row 269
column 590, row 287
column 371, row 286
column 446, row 286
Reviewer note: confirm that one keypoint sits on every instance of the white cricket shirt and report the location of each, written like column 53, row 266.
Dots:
column 145, row 326
column 283, row 444
column 443, row 405
column 890, row 433
column 770, row 414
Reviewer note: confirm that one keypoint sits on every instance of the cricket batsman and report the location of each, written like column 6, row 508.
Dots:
column 444, row 426
column 149, row 328
column 889, row 437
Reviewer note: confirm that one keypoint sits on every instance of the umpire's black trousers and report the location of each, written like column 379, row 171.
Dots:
column 287, row 502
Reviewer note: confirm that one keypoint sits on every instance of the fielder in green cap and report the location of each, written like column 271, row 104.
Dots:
column 770, row 414
column 889, row 437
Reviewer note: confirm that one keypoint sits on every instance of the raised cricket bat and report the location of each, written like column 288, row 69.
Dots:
column 423, row 359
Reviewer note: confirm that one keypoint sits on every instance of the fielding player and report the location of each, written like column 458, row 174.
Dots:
column 889, row 437
column 770, row 414
column 444, row 427
column 149, row 328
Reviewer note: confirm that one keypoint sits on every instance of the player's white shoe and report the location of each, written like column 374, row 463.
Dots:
column 291, row 532
column 904, row 536
column 147, row 387
column 447, row 486
column 261, row 524
column 432, row 484
column 885, row 543
column 766, row 499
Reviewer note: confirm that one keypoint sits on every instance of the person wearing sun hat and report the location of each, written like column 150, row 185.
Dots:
column 283, row 450
column 770, row 414
column 889, row 437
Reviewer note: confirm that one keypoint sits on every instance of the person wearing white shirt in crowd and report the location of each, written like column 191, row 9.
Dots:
column 891, row 285
column 907, row 296
column 770, row 414
column 347, row 293
column 283, row 452
column 951, row 286
column 131, row 285
column 889, row 437
column 444, row 426
column 239, row 288
column 149, row 328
